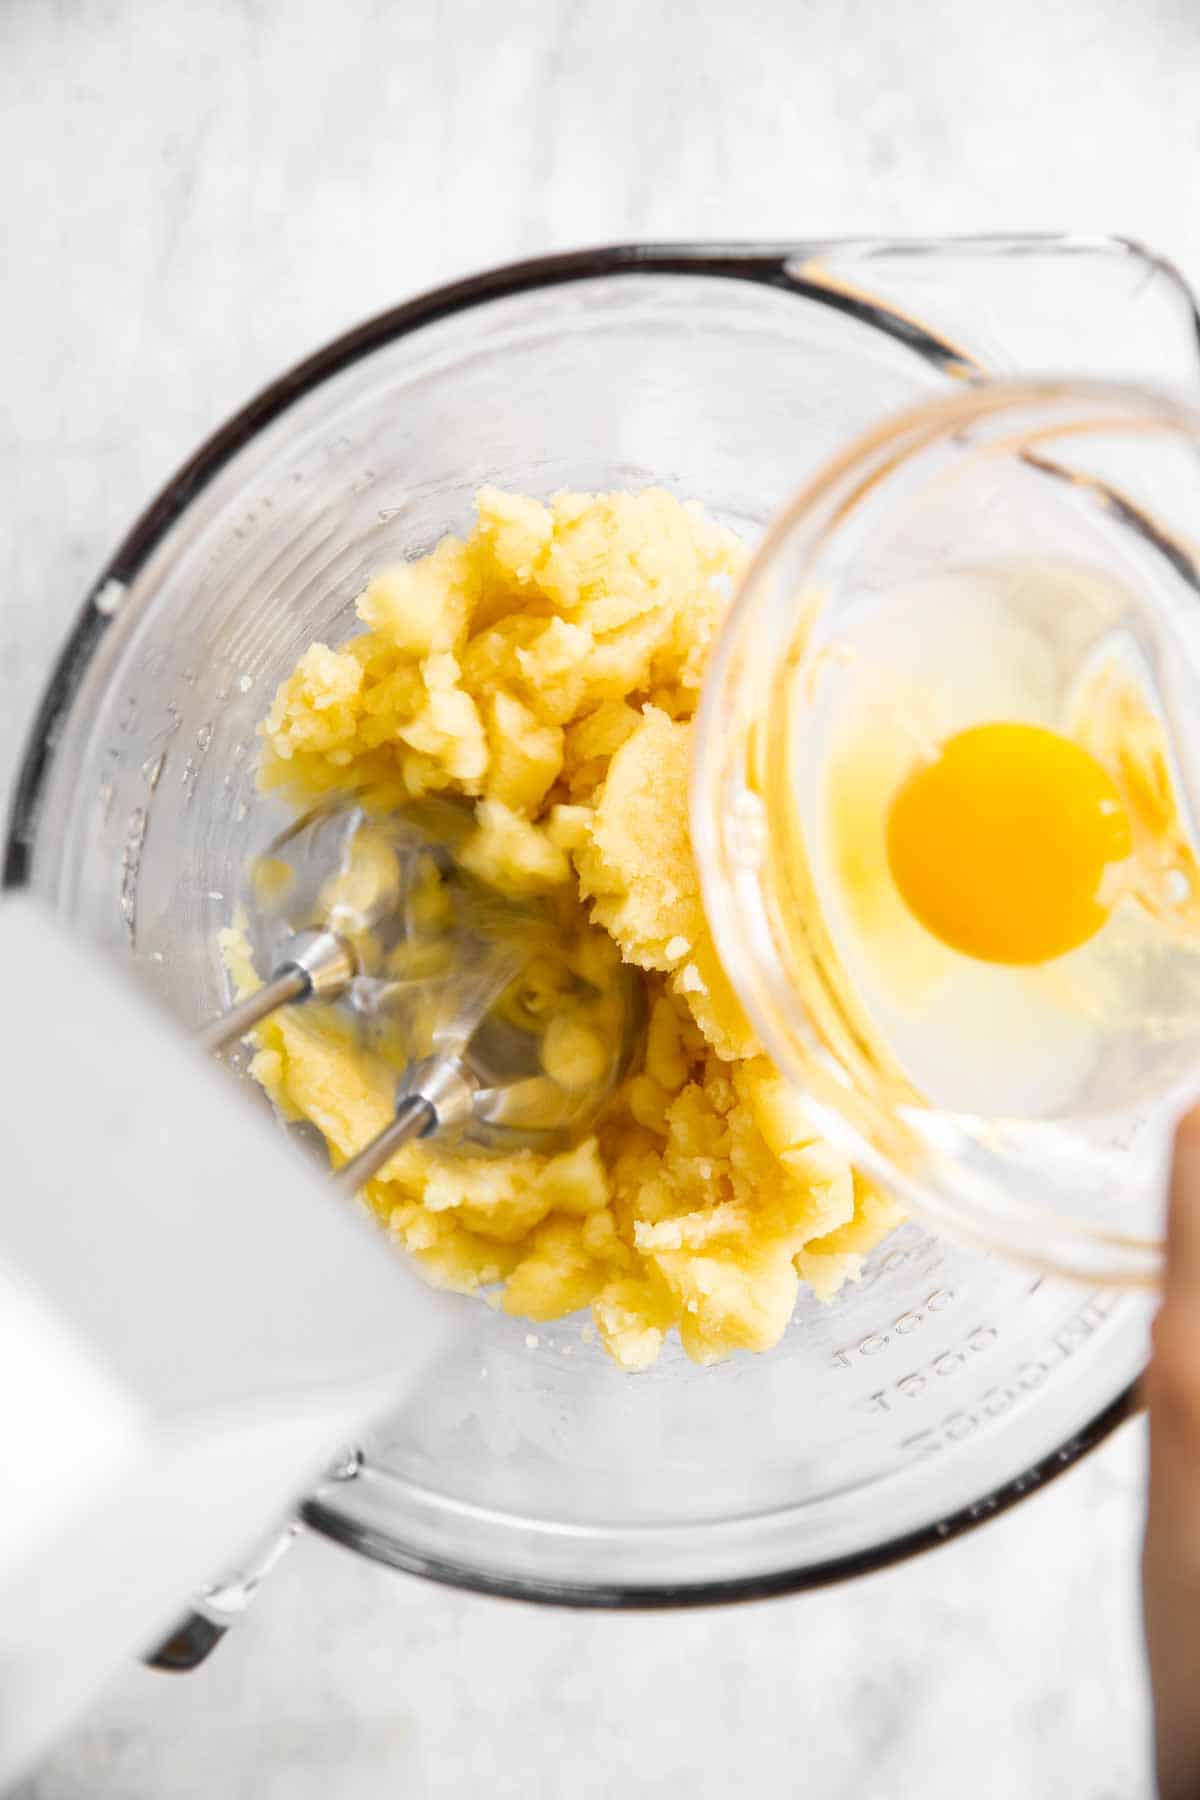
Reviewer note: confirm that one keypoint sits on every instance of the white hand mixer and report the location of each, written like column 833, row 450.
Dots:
column 189, row 1328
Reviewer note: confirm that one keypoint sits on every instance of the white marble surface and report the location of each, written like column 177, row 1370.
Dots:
column 197, row 192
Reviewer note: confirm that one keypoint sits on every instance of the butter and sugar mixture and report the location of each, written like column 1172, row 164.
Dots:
column 545, row 670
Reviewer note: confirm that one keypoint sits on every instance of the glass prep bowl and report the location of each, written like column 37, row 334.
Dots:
column 944, row 1385
column 1013, row 549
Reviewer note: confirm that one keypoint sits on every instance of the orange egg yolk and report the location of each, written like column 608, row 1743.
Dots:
column 1000, row 844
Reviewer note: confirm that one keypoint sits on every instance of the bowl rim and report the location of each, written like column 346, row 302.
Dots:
column 790, row 268
column 322, row 1514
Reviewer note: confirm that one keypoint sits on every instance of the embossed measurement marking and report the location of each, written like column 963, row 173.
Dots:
column 945, row 1364
column 903, row 1326
column 1025, row 1379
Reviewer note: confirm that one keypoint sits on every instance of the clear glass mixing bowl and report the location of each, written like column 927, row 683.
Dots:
column 944, row 1385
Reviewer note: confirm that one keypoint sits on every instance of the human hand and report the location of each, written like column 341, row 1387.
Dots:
column 1171, row 1558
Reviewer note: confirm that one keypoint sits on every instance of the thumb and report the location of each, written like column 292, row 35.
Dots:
column 1171, row 1559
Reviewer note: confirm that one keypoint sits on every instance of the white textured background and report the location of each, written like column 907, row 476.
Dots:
column 195, row 193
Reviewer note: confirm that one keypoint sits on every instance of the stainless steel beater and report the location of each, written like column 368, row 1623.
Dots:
column 455, row 984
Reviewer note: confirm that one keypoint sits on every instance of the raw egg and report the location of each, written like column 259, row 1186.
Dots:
column 1001, row 843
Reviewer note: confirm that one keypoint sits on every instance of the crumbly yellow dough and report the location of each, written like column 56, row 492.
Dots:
column 548, row 668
